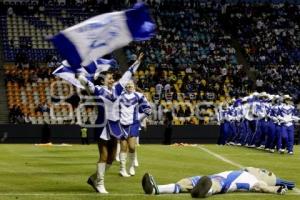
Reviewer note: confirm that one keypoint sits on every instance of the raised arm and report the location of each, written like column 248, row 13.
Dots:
column 88, row 85
column 127, row 76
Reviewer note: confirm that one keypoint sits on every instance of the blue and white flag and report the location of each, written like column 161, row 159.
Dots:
column 67, row 72
column 98, row 66
column 102, row 34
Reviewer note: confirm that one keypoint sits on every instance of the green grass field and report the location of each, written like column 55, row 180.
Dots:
column 31, row 172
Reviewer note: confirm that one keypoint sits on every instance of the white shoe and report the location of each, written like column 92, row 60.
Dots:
column 102, row 189
column 97, row 187
column 267, row 149
column 281, row 151
column 132, row 171
column 136, row 163
column 291, row 153
column 124, row 173
column 261, row 147
column 272, row 150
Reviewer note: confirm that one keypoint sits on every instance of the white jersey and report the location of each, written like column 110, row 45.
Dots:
column 287, row 114
column 247, row 111
column 133, row 108
column 230, row 181
column 235, row 181
column 108, row 97
column 260, row 109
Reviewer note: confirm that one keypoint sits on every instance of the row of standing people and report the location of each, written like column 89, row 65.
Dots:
column 259, row 120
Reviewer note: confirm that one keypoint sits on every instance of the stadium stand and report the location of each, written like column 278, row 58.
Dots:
column 270, row 36
column 189, row 68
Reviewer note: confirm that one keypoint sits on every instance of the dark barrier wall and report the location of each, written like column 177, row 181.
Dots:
column 186, row 133
column 24, row 133
column 11, row 133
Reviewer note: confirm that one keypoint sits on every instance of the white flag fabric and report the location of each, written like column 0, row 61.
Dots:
column 67, row 72
column 102, row 34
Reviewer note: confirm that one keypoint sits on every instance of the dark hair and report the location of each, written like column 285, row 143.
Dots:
column 102, row 75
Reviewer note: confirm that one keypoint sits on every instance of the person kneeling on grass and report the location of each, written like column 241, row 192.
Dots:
column 248, row 179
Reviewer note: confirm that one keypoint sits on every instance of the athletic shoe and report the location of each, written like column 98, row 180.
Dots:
column 267, row 149
column 149, row 185
column 272, row 150
column 132, row 171
column 124, row 173
column 291, row 153
column 98, row 188
column 202, row 187
column 281, row 151
column 261, row 147
column 136, row 163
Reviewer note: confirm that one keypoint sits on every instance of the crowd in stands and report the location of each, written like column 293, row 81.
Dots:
column 270, row 37
column 191, row 60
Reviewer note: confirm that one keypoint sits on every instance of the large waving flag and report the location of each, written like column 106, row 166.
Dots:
column 102, row 34
column 67, row 72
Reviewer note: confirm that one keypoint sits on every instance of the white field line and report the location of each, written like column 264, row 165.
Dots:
column 296, row 190
column 220, row 157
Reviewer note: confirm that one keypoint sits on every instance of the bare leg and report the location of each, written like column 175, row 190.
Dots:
column 112, row 149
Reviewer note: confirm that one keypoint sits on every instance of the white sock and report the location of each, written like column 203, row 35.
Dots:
column 168, row 189
column 118, row 151
column 137, row 140
column 131, row 158
column 123, row 157
column 135, row 159
column 100, row 173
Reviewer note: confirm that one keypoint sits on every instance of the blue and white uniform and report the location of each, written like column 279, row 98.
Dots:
column 224, row 126
column 287, row 115
column 230, row 117
column 134, row 107
column 108, row 119
column 249, row 121
column 231, row 181
column 261, row 113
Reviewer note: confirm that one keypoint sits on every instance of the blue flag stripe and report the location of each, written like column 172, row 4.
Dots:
column 66, row 49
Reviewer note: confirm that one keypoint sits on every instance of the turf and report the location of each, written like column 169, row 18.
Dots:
column 30, row 172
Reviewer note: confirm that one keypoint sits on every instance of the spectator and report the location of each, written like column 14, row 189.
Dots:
column 168, row 128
